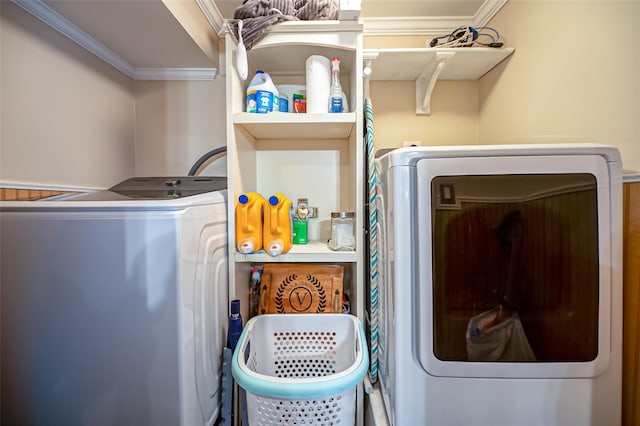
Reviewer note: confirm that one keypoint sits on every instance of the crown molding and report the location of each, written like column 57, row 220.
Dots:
column 487, row 11
column 403, row 25
column 53, row 19
column 61, row 24
column 175, row 73
column 213, row 15
column 429, row 25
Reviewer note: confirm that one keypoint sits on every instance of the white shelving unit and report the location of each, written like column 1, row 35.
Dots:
column 296, row 126
column 315, row 156
column 313, row 252
column 427, row 65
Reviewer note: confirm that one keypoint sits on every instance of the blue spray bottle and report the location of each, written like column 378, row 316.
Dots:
column 229, row 406
column 235, row 325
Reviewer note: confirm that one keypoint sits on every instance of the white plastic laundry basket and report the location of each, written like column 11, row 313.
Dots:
column 301, row 369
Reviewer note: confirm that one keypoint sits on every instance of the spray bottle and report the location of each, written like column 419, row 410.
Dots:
column 335, row 98
column 235, row 325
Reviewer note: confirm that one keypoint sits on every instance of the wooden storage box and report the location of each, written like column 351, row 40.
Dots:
column 301, row 288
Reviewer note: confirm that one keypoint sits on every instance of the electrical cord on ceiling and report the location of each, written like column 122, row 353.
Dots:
column 467, row 36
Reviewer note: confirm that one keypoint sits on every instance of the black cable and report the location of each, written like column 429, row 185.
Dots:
column 466, row 36
column 205, row 158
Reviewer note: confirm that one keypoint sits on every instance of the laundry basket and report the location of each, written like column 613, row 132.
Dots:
column 301, row 369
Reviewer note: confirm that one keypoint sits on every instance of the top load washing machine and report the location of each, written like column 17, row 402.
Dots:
column 114, row 305
column 500, row 289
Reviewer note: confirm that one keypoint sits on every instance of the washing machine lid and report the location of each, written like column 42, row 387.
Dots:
column 156, row 188
column 136, row 194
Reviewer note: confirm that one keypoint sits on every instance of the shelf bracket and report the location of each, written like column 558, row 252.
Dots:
column 427, row 81
column 368, row 59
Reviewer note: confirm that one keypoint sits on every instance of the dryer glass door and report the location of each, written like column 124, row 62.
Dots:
column 518, row 283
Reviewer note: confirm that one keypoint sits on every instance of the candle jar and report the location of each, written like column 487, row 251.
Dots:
column 342, row 231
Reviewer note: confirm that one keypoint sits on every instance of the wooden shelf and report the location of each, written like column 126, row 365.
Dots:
column 312, row 252
column 296, row 126
column 427, row 65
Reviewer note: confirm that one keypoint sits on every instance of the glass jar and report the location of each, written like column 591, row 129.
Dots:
column 342, row 231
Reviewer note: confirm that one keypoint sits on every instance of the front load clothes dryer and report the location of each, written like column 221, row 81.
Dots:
column 114, row 305
column 500, row 290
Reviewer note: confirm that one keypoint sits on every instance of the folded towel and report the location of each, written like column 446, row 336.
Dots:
column 255, row 8
column 253, row 29
column 317, row 10
column 258, row 15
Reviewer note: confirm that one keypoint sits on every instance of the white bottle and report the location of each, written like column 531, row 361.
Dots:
column 335, row 98
column 275, row 106
column 262, row 95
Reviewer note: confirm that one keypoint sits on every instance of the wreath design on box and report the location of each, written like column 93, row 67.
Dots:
column 299, row 294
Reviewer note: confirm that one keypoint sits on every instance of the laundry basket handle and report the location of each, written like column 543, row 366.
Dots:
column 255, row 382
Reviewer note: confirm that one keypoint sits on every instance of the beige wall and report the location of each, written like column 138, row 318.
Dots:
column 67, row 117
column 453, row 119
column 573, row 76
column 454, row 106
column 176, row 123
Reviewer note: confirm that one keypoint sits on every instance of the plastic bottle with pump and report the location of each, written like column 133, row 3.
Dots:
column 335, row 98
column 262, row 94
column 277, row 232
column 249, row 211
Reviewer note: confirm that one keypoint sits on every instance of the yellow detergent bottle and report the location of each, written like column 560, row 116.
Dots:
column 277, row 225
column 249, row 209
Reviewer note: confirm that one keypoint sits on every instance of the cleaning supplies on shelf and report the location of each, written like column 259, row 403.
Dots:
column 234, row 332
column 318, row 79
column 300, row 231
column 277, row 228
column 262, row 95
column 284, row 102
column 335, row 100
column 301, row 215
column 249, row 211
column 294, row 94
column 276, row 98
column 299, row 103
column 235, row 325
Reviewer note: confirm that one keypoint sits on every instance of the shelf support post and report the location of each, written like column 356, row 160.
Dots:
column 368, row 60
column 427, row 81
